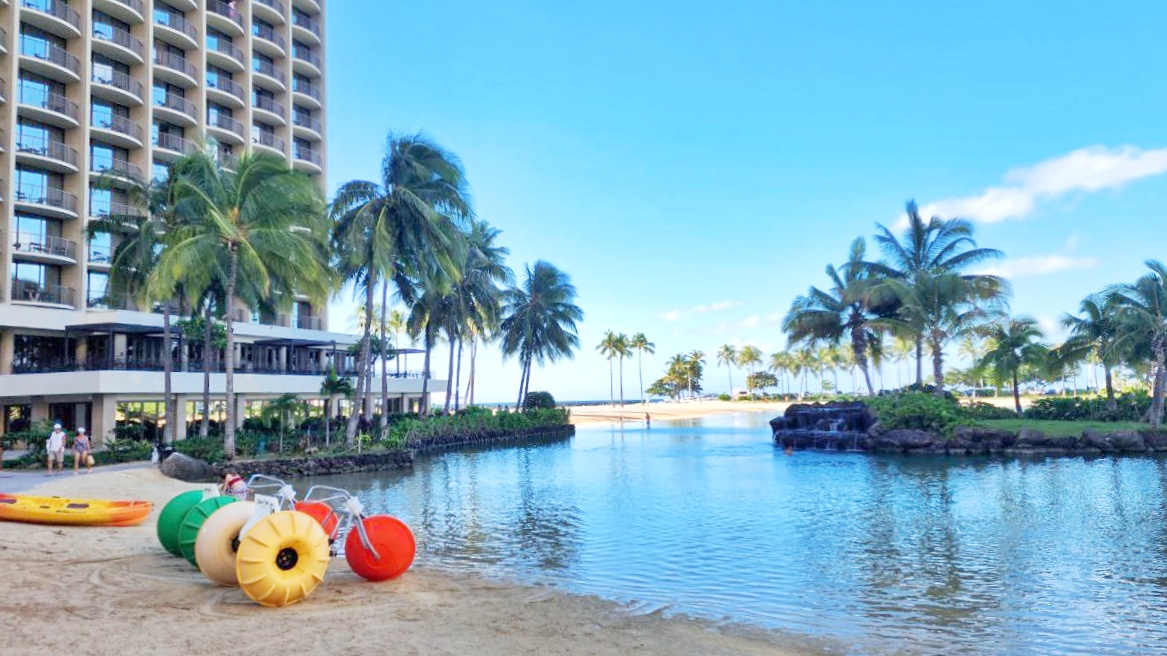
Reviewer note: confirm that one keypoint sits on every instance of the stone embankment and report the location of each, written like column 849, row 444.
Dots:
column 185, row 468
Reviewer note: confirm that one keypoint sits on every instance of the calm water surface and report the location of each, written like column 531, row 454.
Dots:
column 888, row 555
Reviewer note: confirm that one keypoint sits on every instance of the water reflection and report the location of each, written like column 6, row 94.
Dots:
column 917, row 555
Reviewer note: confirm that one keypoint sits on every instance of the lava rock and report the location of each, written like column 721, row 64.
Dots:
column 185, row 468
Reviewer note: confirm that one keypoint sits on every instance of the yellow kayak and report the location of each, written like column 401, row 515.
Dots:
column 76, row 512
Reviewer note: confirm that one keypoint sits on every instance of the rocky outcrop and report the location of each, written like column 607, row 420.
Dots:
column 185, row 468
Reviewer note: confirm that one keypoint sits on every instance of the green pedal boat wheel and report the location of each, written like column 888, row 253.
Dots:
column 188, row 531
column 171, row 519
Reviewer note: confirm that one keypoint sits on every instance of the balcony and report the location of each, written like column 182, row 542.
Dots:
column 175, row 144
column 119, row 130
column 25, row 291
column 118, row 44
column 121, row 214
column 130, row 11
column 301, row 321
column 115, row 167
column 46, row 154
column 49, row 60
column 118, row 87
column 226, row 55
column 227, row 90
column 269, row 75
column 175, row 69
column 225, row 126
column 47, row 200
column 224, row 17
column 269, row 40
column 268, row 140
column 305, row 61
column 308, row 92
column 178, row 109
column 47, row 107
column 100, row 257
column 52, row 16
column 175, row 30
column 272, row 107
column 44, row 248
column 270, row 10
column 308, row 160
column 305, row 123
column 306, row 27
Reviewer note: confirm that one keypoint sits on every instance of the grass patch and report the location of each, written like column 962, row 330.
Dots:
column 1063, row 428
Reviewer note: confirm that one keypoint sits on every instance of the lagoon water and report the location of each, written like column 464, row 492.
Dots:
column 872, row 554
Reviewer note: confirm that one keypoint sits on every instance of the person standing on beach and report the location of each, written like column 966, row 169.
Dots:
column 55, row 446
column 81, row 449
column 647, row 421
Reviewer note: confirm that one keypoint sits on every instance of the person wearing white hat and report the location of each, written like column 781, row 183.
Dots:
column 81, row 448
column 55, row 445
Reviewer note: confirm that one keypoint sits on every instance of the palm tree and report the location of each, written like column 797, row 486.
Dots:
column 641, row 344
column 262, row 223
column 478, row 295
column 901, row 351
column 1094, row 333
column 607, row 348
column 540, row 320
column 1012, row 345
column 283, row 409
column 782, row 363
column 749, row 357
column 845, row 311
column 623, row 350
column 806, row 360
column 727, row 355
column 695, row 366
column 932, row 248
column 1142, row 325
column 972, row 349
column 331, row 387
column 403, row 229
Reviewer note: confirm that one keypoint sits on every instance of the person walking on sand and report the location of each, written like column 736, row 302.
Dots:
column 81, row 449
column 647, row 421
column 55, row 446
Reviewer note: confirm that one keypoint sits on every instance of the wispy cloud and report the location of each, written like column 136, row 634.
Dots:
column 675, row 315
column 1040, row 265
column 1085, row 170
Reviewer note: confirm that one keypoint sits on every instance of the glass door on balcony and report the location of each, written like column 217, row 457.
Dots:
column 33, row 184
column 34, row 234
column 97, row 290
column 101, row 248
column 32, row 279
column 33, row 137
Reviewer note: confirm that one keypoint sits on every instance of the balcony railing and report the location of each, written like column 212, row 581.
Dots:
column 274, row 4
column 118, row 36
column 225, row 122
column 46, row 148
column 269, row 104
column 307, row 55
column 267, row 139
column 264, row 32
column 306, row 121
column 119, row 80
column 25, row 290
column 55, row 102
column 176, row 22
column 50, row 196
column 308, row 155
column 44, row 245
column 171, row 60
column 305, row 322
column 116, row 166
column 31, row 47
column 268, row 69
column 121, row 124
column 177, row 103
column 227, row 48
column 226, row 86
column 306, row 22
column 100, row 254
column 306, row 88
column 224, row 9
column 57, row 9
column 136, row 5
column 174, row 142
column 115, row 210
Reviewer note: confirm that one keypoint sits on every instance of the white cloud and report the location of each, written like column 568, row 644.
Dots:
column 674, row 315
column 1022, row 267
column 1084, row 170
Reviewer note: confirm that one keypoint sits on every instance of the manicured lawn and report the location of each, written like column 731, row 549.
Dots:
column 1063, row 428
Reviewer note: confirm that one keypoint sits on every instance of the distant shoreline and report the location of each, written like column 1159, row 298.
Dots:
column 668, row 410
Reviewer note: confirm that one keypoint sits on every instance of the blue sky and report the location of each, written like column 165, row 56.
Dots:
column 694, row 167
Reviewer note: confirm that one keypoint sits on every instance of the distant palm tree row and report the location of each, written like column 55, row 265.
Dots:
column 260, row 233
column 620, row 346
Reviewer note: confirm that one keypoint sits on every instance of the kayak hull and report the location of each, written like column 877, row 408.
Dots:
column 72, row 512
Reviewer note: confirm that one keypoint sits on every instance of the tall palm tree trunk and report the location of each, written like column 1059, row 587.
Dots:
column 611, row 384
column 640, row 369
column 621, row 384
column 458, row 377
column 205, row 426
column 449, row 379
column 350, row 428
column 327, row 421
column 938, row 367
column 729, row 373
column 920, row 362
column 470, row 378
column 1111, row 402
column 1159, row 348
column 229, row 358
column 1016, row 394
column 384, row 362
column 167, row 371
column 424, row 407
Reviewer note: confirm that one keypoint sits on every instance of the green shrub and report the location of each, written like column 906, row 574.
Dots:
column 917, row 410
column 983, row 411
column 1132, row 406
column 538, row 400
column 724, row 397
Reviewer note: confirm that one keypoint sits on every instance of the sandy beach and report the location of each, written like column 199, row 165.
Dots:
column 597, row 414
column 74, row 590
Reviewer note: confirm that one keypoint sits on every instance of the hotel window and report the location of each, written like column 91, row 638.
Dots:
column 101, row 248
column 97, row 289
column 37, row 43
column 32, row 184
column 100, row 202
column 37, row 90
column 34, row 137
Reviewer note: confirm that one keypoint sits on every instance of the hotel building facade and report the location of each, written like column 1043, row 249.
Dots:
column 95, row 89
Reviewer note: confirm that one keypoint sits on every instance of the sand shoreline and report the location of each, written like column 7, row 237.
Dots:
column 115, row 591
column 669, row 410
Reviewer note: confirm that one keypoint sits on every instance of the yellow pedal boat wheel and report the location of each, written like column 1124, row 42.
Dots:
column 171, row 518
column 218, row 540
column 188, row 531
column 282, row 558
